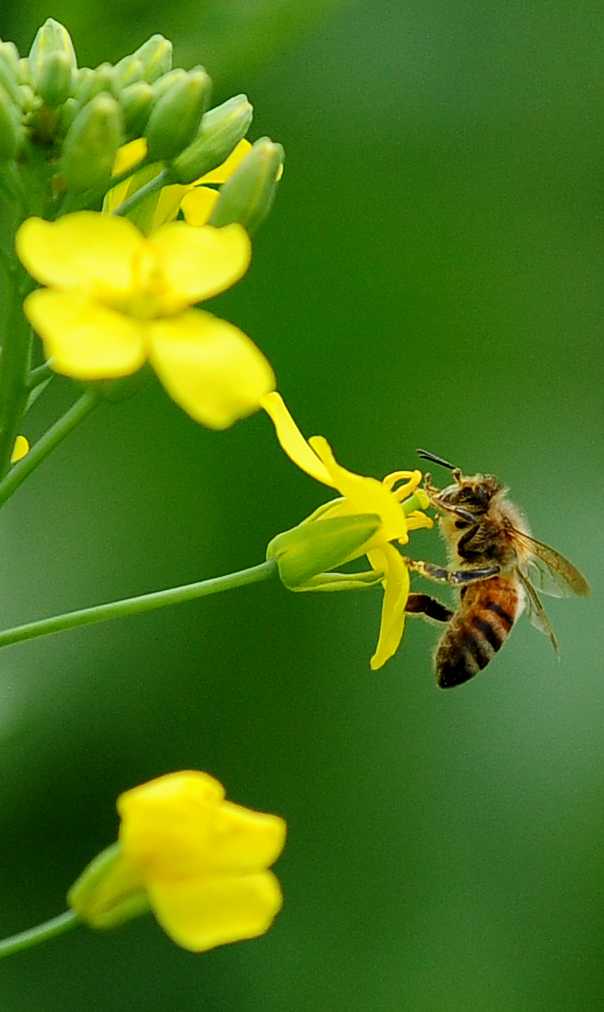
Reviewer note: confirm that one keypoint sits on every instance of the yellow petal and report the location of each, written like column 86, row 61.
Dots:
column 365, row 495
column 396, row 592
column 199, row 914
column 129, row 155
column 197, row 263
column 168, row 204
column 20, row 449
column 179, row 826
column 84, row 339
column 167, row 824
column 226, row 170
column 85, row 251
column 209, row 367
column 198, row 204
column 292, row 440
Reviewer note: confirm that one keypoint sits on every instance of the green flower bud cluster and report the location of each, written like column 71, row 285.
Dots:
column 61, row 127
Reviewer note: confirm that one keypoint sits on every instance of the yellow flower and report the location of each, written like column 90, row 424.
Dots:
column 394, row 507
column 116, row 299
column 200, row 863
column 196, row 200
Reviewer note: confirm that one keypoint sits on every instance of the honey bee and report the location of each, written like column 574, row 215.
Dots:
column 496, row 563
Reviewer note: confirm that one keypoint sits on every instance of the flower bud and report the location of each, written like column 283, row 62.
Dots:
column 92, row 82
column 163, row 84
column 156, row 57
column 220, row 131
column 23, row 71
column 135, row 102
column 11, row 130
column 176, row 116
column 91, row 144
column 108, row 892
column 315, row 546
column 8, row 76
column 248, row 195
column 66, row 117
column 10, row 54
column 127, row 71
column 52, row 79
column 28, row 100
column 52, row 37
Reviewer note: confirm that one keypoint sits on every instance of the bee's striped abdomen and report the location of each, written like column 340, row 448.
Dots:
column 486, row 614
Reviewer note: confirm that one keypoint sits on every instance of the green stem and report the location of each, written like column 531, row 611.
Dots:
column 76, row 414
column 39, row 375
column 41, row 933
column 136, row 605
column 145, row 191
column 14, row 370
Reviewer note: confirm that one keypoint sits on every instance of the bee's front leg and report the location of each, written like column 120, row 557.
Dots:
column 458, row 578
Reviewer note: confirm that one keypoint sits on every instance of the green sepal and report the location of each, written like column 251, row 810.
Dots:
column 248, row 195
column 156, row 57
column 220, row 131
column 52, row 37
column 175, row 117
column 108, row 892
column 91, row 144
column 341, row 581
column 53, row 79
column 309, row 549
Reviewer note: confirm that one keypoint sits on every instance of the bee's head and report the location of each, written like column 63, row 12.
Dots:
column 468, row 498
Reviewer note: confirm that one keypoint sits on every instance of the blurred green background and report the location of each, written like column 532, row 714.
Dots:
column 432, row 275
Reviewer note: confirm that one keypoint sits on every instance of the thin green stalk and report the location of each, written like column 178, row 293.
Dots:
column 136, row 605
column 145, row 191
column 76, row 414
column 14, row 370
column 39, row 375
column 41, row 933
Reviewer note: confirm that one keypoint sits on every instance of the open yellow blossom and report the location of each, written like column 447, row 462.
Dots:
column 393, row 507
column 116, row 299
column 196, row 200
column 198, row 861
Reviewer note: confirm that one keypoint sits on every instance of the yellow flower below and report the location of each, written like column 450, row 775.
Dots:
column 394, row 507
column 115, row 299
column 200, row 861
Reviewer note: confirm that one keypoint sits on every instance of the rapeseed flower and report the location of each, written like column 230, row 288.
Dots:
column 116, row 299
column 199, row 862
column 393, row 510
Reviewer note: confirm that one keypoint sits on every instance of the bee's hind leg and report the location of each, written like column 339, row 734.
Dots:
column 423, row 604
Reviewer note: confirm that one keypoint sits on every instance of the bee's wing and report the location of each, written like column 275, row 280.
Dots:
column 535, row 610
column 553, row 574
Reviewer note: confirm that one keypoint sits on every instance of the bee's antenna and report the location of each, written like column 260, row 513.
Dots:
column 436, row 460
